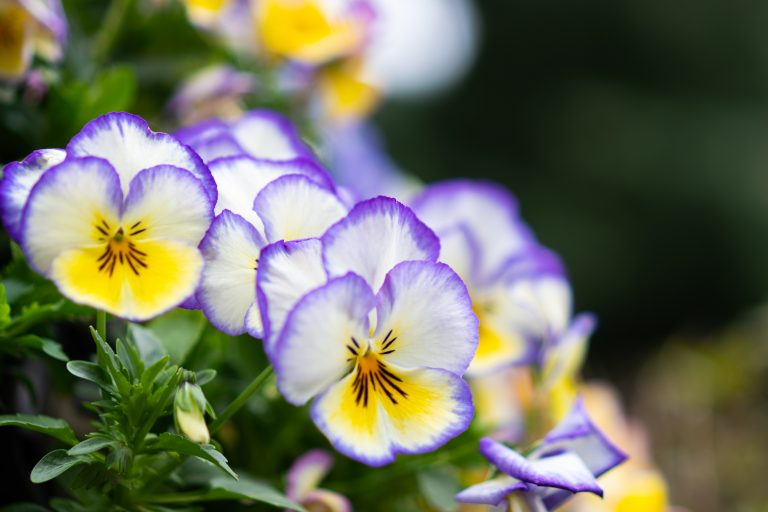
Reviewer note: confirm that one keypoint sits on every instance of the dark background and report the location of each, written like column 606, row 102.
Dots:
column 635, row 135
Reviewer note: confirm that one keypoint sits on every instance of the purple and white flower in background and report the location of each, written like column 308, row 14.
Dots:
column 303, row 479
column 260, row 134
column 381, row 346
column 568, row 461
column 213, row 92
column 29, row 28
column 261, row 201
column 519, row 289
column 359, row 162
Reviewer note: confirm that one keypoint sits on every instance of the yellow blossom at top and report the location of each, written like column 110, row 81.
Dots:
column 303, row 30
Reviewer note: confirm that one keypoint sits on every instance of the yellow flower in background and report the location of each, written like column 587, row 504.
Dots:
column 344, row 91
column 29, row 28
column 310, row 31
column 205, row 13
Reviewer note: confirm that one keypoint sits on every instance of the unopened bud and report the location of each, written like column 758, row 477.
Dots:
column 188, row 410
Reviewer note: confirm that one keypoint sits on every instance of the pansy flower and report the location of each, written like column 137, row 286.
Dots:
column 131, row 254
column 568, row 461
column 303, row 479
column 116, row 219
column 260, row 202
column 29, row 28
column 519, row 289
column 381, row 346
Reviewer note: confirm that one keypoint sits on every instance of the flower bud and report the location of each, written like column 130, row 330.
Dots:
column 188, row 410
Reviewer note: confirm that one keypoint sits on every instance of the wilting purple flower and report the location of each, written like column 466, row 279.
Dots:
column 303, row 479
column 568, row 461
column 215, row 91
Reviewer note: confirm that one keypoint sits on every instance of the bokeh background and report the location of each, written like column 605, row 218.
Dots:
column 634, row 134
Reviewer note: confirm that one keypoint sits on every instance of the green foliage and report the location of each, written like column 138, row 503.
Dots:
column 53, row 427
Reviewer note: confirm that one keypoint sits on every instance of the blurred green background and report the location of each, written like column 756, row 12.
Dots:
column 635, row 135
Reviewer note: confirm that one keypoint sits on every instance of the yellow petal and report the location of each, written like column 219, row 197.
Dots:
column 16, row 40
column 345, row 94
column 167, row 275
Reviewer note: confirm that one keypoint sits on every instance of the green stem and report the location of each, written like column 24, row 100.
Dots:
column 101, row 323
column 241, row 399
column 111, row 27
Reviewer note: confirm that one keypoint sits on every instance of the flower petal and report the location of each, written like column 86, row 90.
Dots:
column 169, row 203
column 565, row 356
column 241, row 178
column 311, row 352
column 219, row 146
column 404, row 411
column 459, row 250
column 287, row 272
column 126, row 141
column 268, row 135
column 491, row 492
column 577, row 434
column 563, row 470
column 170, row 275
column 228, row 284
column 296, row 207
column 18, row 180
column 488, row 210
column 426, row 307
column 306, row 473
column 322, row 499
column 377, row 235
column 65, row 206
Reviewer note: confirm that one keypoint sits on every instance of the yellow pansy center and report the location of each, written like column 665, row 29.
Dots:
column 120, row 248
column 15, row 27
column 372, row 375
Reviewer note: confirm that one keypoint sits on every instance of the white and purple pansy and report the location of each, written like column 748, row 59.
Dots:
column 130, row 250
column 261, row 134
column 260, row 202
column 303, row 479
column 381, row 346
column 568, row 461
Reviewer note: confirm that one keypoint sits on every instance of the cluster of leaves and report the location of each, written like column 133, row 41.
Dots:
column 122, row 464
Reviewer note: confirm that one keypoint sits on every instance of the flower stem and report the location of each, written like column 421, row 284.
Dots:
column 110, row 29
column 101, row 323
column 241, row 399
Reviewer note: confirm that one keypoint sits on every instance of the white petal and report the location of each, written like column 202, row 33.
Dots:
column 427, row 308
column 241, row 178
column 311, row 353
column 268, row 135
column 491, row 492
column 306, row 473
column 170, row 203
column 64, row 207
column 296, row 207
column 377, row 235
column 126, row 142
column 228, row 285
column 287, row 272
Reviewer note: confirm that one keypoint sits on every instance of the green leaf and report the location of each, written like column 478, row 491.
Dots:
column 107, row 357
column 250, row 489
column 203, row 377
column 151, row 373
column 89, row 371
column 439, row 486
column 176, row 443
column 90, row 445
column 53, row 427
column 54, row 464
column 146, row 342
column 179, row 331
column 45, row 345
column 5, row 309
